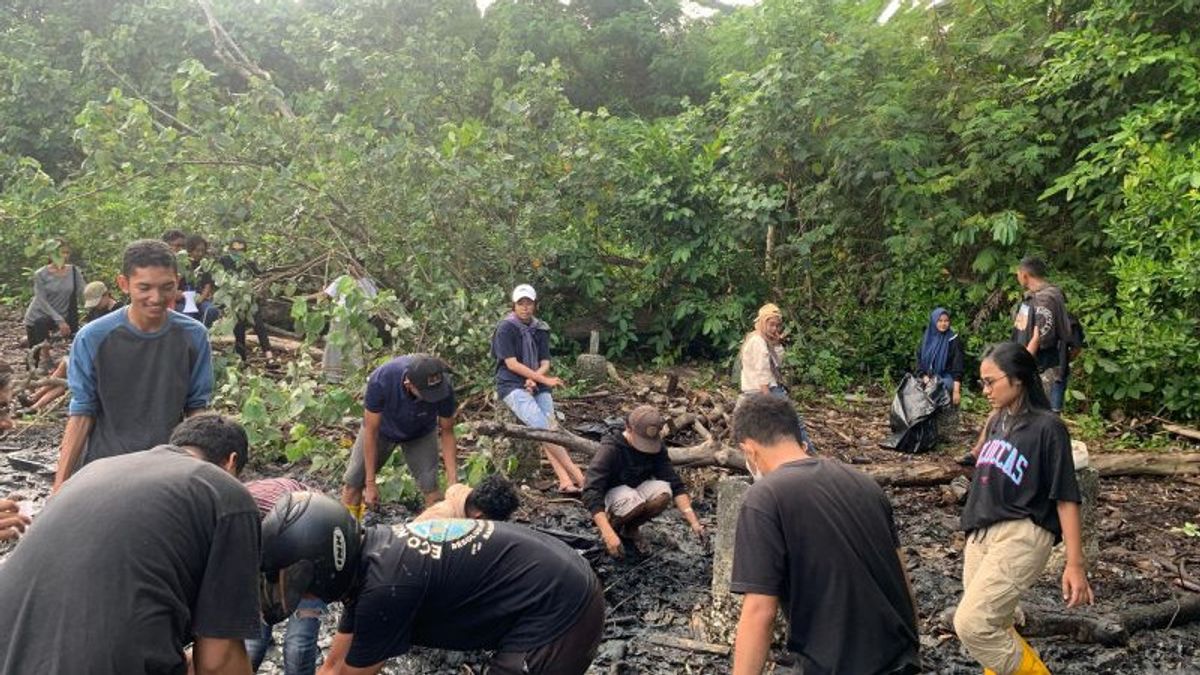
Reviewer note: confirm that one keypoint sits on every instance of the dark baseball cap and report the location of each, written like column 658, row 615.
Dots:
column 431, row 376
column 645, row 426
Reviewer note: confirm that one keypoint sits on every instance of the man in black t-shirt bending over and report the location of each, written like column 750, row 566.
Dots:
column 133, row 558
column 818, row 537
column 444, row 583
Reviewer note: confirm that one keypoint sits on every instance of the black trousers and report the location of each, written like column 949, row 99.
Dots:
column 570, row 654
column 260, row 331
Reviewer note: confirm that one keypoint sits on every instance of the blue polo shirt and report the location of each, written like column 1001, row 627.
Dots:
column 404, row 416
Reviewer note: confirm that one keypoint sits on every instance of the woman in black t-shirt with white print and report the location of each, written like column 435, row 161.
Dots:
column 1023, row 500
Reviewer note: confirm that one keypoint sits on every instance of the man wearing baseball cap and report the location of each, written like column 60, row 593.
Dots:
column 631, row 480
column 409, row 402
column 98, row 301
column 521, row 347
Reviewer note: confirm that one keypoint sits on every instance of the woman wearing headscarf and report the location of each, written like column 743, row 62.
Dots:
column 761, row 359
column 57, row 290
column 940, row 354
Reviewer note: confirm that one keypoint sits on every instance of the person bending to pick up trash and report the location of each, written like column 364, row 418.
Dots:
column 1024, row 499
column 135, row 557
column 456, row 584
column 631, row 480
column 817, row 537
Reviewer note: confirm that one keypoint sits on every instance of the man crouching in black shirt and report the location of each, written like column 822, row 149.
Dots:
column 444, row 583
column 819, row 537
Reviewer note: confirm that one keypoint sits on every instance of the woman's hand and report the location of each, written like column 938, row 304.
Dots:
column 1075, row 587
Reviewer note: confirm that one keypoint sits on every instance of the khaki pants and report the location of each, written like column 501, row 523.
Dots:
column 1000, row 562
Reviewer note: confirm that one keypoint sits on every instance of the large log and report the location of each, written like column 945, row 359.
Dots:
column 1084, row 626
column 903, row 473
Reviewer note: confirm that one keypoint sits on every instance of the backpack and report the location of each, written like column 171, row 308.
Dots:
column 1077, row 339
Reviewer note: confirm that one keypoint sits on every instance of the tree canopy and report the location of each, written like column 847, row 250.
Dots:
column 656, row 175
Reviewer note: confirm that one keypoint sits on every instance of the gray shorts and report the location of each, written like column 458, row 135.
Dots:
column 420, row 454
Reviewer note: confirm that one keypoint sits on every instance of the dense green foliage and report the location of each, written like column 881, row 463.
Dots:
column 657, row 176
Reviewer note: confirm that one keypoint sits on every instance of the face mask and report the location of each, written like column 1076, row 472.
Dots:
column 754, row 472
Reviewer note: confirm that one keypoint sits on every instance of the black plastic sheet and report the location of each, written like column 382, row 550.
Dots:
column 911, row 418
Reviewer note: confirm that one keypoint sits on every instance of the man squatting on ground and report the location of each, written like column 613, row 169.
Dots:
column 848, row 600
column 136, row 372
column 631, row 480
column 136, row 556
column 445, row 584
column 409, row 402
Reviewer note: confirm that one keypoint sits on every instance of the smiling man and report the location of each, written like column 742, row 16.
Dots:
column 135, row 373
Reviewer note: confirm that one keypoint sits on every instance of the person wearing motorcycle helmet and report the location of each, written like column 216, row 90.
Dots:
column 445, row 583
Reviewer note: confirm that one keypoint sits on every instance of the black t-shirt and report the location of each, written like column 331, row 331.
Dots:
column 506, row 342
column 1024, row 469
column 820, row 537
column 619, row 463
column 463, row 585
column 134, row 556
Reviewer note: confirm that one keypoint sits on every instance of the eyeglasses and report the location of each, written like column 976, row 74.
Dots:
column 987, row 382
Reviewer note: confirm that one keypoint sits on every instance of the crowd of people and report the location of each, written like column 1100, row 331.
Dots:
column 166, row 563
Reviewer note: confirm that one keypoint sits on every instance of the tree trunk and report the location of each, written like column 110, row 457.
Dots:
column 905, row 473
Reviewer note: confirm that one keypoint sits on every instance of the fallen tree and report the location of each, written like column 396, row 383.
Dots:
column 903, row 473
column 1106, row 629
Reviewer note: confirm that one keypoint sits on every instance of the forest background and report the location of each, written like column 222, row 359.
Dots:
column 655, row 173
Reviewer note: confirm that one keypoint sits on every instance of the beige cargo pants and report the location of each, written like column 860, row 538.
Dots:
column 999, row 564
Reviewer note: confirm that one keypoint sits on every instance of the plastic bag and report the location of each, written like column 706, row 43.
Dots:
column 911, row 417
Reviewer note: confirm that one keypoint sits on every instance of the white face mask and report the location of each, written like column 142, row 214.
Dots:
column 754, row 472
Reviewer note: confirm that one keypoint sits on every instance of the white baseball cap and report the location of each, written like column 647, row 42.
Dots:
column 524, row 291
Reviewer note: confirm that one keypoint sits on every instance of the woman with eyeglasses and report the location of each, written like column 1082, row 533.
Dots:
column 1024, row 499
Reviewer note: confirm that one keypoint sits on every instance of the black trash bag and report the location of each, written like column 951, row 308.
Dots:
column 912, row 415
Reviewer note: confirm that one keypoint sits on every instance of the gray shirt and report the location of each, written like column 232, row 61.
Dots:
column 53, row 294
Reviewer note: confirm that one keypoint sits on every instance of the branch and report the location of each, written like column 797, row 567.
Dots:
column 223, row 45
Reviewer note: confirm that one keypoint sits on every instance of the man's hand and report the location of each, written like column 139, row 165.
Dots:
column 612, row 544
column 701, row 534
column 12, row 522
column 955, row 397
column 530, row 385
column 554, row 381
column 371, row 494
column 64, row 329
column 1075, row 587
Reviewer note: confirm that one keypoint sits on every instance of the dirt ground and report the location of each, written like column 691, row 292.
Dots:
column 667, row 592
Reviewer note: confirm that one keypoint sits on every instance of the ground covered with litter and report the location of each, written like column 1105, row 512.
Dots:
column 659, row 604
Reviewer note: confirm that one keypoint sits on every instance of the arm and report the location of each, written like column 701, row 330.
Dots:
column 371, row 422
column 612, row 542
column 71, row 450
column 684, row 503
column 1034, row 341
column 1075, row 587
column 753, row 641
column 200, row 385
column 514, row 364
column 335, row 659
column 449, row 448
column 220, row 656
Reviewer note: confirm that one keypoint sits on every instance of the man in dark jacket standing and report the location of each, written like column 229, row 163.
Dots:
column 631, row 480
column 1041, row 325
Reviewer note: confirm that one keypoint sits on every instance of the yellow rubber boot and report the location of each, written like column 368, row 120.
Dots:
column 1031, row 663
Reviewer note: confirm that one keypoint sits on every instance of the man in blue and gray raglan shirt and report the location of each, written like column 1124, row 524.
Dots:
column 136, row 372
